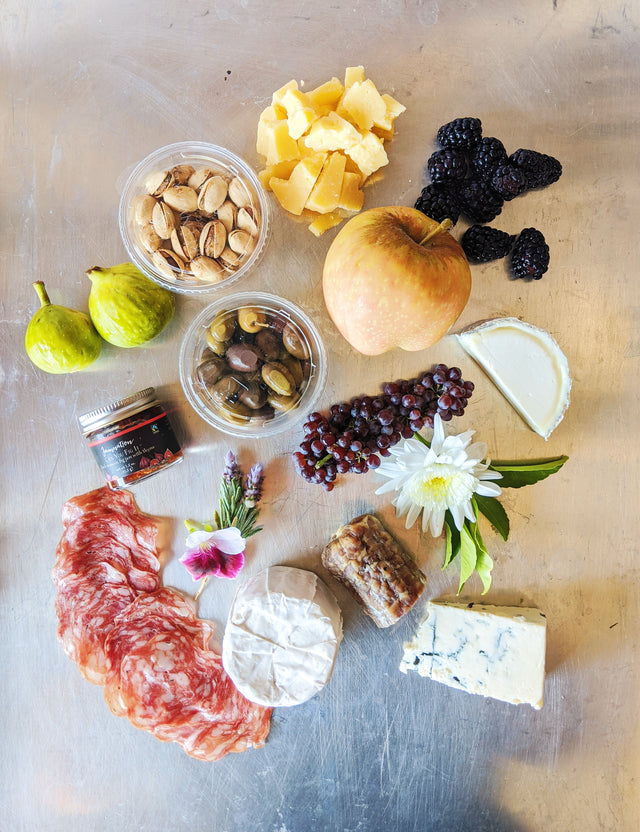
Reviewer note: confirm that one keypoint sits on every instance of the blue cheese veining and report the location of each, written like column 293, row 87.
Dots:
column 488, row 650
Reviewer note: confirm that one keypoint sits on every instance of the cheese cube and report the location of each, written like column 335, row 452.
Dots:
column 273, row 139
column 325, row 97
column 363, row 105
column 281, row 170
column 292, row 193
column 326, row 192
column 324, row 222
column 300, row 113
column 351, row 197
column 278, row 95
column 353, row 74
column 493, row 651
column 368, row 154
column 386, row 127
column 331, row 132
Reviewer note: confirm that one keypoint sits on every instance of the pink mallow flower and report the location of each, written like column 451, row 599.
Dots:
column 219, row 553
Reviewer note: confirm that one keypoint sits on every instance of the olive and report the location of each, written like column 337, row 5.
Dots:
column 278, row 378
column 235, row 412
column 253, row 395
column 294, row 341
column 225, row 388
column 251, row 319
column 283, row 403
column 218, row 347
column 222, row 326
column 269, row 344
column 210, row 370
column 243, row 357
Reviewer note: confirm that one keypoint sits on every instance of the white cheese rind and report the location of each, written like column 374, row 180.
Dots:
column 282, row 636
column 488, row 650
column 528, row 367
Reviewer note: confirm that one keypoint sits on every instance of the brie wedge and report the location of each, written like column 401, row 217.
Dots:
column 488, row 650
column 282, row 636
column 527, row 366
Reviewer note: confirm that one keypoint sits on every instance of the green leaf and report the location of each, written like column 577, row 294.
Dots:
column 494, row 511
column 484, row 565
column 452, row 544
column 468, row 556
column 518, row 474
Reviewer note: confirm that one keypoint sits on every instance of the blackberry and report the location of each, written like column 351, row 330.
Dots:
column 486, row 157
column 481, row 243
column 461, row 133
column 508, row 181
column 539, row 169
column 447, row 165
column 530, row 255
column 478, row 201
column 439, row 203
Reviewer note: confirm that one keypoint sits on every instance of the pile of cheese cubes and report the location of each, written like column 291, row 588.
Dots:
column 321, row 147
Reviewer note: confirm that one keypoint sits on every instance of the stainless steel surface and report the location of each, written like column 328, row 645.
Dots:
column 90, row 89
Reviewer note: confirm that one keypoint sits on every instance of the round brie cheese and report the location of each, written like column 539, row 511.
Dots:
column 282, row 636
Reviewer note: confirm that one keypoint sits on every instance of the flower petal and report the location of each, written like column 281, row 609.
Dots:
column 229, row 540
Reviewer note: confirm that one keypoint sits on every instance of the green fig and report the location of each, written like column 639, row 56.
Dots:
column 59, row 339
column 126, row 307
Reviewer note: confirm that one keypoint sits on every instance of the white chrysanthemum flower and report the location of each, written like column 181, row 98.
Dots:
column 433, row 479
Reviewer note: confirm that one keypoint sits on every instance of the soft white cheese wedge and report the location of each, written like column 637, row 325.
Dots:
column 527, row 366
column 282, row 636
column 489, row 650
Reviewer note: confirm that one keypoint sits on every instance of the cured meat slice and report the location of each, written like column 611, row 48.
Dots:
column 165, row 680
column 381, row 576
column 72, row 560
column 86, row 605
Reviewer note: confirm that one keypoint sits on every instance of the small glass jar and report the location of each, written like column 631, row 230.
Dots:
column 131, row 439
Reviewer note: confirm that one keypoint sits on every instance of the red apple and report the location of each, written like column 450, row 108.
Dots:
column 393, row 277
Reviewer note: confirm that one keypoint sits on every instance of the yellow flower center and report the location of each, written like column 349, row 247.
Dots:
column 439, row 486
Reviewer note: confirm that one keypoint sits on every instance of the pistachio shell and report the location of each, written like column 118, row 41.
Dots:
column 148, row 238
column 184, row 242
column 163, row 220
column 246, row 221
column 212, row 194
column 159, row 182
column 168, row 263
column 213, row 239
column 240, row 241
column 230, row 258
column 239, row 193
column 207, row 270
column 199, row 177
column 143, row 209
column 181, row 198
column 182, row 173
column 227, row 214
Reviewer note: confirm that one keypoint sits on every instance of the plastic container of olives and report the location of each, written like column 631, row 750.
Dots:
column 252, row 364
column 194, row 217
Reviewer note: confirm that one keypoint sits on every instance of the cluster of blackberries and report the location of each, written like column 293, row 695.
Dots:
column 529, row 252
column 473, row 176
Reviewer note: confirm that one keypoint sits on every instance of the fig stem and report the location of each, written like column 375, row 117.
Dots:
column 445, row 225
column 41, row 292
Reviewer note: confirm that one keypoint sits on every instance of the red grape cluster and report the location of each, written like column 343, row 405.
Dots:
column 355, row 434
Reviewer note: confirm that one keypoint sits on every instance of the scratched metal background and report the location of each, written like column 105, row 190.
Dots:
column 89, row 89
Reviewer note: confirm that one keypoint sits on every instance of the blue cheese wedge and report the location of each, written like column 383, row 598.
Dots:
column 526, row 365
column 493, row 651
column 282, row 636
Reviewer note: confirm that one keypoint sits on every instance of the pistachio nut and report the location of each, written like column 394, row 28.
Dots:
column 239, row 193
column 213, row 239
column 230, row 258
column 143, row 209
column 212, row 194
column 184, row 242
column 246, row 221
column 251, row 319
column 163, row 220
column 181, row 198
column 158, row 182
column 148, row 238
column 278, row 378
column 182, row 173
column 199, row 177
column 227, row 214
column 240, row 241
column 207, row 270
column 167, row 262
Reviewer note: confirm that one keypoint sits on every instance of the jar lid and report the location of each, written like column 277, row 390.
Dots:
column 105, row 415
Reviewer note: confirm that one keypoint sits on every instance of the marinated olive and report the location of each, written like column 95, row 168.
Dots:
column 225, row 388
column 218, row 347
column 251, row 319
column 243, row 357
column 278, row 378
column 235, row 412
column 294, row 342
column 223, row 326
column 210, row 370
column 269, row 344
column 253, row 395
column 295, row 368
column 283, row 403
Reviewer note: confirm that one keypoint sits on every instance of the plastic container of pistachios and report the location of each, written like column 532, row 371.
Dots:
column 194, row 217
column 252, row 364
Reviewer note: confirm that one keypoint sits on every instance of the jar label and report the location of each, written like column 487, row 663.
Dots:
column 136, row 451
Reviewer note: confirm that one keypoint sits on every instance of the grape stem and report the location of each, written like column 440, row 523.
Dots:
column 445, row 225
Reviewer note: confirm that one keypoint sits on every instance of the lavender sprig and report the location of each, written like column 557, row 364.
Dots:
column 238, row 504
